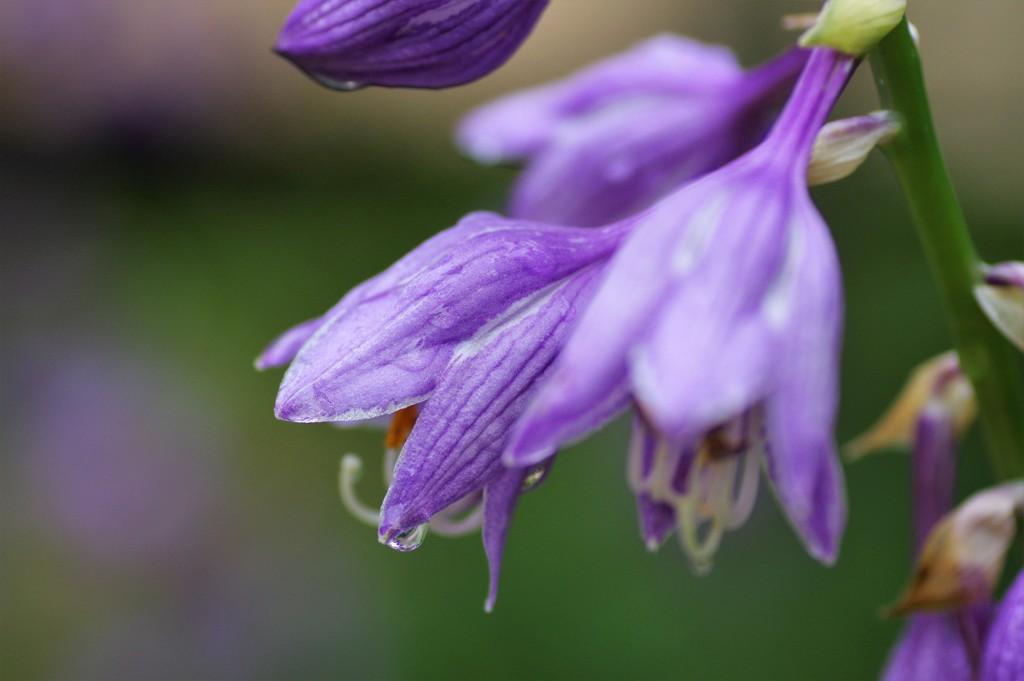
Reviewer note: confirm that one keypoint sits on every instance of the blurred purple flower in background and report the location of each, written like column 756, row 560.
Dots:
column 122, row 472
column 610, row 140
column 722, row 308
column 140, row 72
column 348, row 44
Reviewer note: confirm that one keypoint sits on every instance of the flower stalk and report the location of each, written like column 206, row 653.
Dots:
column 985, row 356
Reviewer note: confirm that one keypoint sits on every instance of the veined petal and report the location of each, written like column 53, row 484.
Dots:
column 456, row 445
column 346, row 44
column 802, row 461
column 500, row 498
column 522, row 124
column 387, row 353
column 283, row 350
column 929, row 649
column 588, row 385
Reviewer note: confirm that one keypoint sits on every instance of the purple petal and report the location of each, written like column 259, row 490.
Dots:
column 1008, row 274
column 710, row 354
column 387, row 353
column 500, row 498
column 930, row 649
column 934, row 464
column 620, row 160
column 346, row 44
column 657, row 521
column 588, row 386
column 1004, row 650
column 802, row 461
column 284, row 348
column 522, row 124
column 456, row 445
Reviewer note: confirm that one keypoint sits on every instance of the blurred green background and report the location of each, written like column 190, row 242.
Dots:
column 173, row 196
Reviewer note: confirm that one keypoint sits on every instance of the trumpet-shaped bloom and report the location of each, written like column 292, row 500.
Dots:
column 466, row 326
column 721, row 309
column 348, row 44
column 610, row 140
column 931, row 646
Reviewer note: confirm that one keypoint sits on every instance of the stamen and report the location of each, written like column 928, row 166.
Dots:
column 351, row 471
column 401, row 426
column 743, row 504
column 447, row 526
column 700, row 550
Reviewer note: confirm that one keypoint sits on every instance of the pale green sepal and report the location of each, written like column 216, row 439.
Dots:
column 842, row 146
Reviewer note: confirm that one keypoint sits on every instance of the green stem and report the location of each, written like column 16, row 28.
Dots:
column 985, row 356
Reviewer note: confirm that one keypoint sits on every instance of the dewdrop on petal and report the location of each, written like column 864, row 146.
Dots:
column 854, row 26
column 842, row 146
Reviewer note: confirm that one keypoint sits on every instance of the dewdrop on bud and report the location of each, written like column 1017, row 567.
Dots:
column 1001, row 296
column 854, row 26
column 842, row 146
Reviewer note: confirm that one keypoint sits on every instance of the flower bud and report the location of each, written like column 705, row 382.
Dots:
column 348, row 44
column 854, row 26
column 936, row 384
column 1001, row 296
column 842, row 146
column 964, row 554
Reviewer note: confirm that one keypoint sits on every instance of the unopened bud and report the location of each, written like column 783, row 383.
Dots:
column 842, row 146
column 854, row 26
column 938, row 384
column 963, row 556
column 1001, row 296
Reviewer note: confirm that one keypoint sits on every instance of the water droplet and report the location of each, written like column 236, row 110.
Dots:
column 343, row 85
column 535, row 476
column 409, row 540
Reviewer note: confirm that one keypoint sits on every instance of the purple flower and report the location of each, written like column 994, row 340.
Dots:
column 720, row 317
column 465, row 326
column 348, row 44
column 931, row 647
column 612, row 139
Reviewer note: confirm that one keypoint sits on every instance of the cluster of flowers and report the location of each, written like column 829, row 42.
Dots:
column 662, row 257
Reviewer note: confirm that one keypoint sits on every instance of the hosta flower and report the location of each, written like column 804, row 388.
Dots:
column 720, row 317
column 347, row 44
column 622, row 133
column 462, row 330
column 927, row 417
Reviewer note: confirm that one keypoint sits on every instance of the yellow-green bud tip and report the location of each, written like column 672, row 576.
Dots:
column 854, row 26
